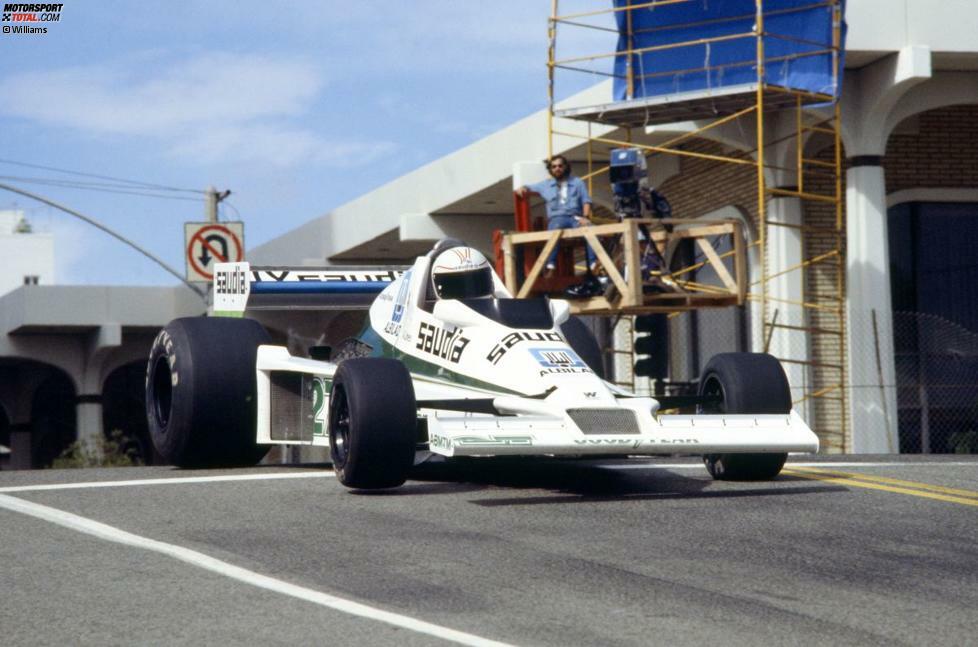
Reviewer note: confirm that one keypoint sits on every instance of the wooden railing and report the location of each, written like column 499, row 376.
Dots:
column 619, row 249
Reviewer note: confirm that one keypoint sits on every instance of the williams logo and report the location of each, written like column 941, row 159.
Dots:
column 558, row 361
column 561, row 358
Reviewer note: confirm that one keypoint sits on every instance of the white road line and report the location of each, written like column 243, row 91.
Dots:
column 110, row 533
column 167, row 481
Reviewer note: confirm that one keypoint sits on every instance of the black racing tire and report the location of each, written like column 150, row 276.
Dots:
column 200, row 392
column 745, row 383
column 580, row 338
column 373, row 422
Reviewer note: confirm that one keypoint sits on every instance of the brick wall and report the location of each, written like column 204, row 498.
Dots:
column 943, row 153
column 824, row 282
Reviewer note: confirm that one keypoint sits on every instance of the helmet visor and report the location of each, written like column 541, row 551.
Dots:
column 464, row 285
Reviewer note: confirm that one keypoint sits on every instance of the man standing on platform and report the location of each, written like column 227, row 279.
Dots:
column 568, row 204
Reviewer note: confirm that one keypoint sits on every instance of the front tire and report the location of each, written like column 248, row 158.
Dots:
column 373, row 423
column 201, row 404
column 745, row 383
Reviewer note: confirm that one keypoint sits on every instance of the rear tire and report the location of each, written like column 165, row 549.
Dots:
column 373, row 421
column 201, row 404
column 745, row 383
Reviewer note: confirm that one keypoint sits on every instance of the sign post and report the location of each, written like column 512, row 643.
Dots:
column 209, row 243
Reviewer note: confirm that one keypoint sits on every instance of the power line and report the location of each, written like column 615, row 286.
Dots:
column 68, row 184
column 145, row 185
column 95, row 223
column 234, row 208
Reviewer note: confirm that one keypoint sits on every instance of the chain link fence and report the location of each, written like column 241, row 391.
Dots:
column 928, row 404
column 937, row 384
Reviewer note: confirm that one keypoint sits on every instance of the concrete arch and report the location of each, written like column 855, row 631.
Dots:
column 944, row 90
column 19, row 379
column 133, row 349
column 66, row 355
column 39, row 401
column 872, row 93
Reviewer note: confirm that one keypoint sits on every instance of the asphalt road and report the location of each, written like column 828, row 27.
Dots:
column 646, row 552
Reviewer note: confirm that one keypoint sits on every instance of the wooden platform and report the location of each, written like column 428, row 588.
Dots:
column 619, row 249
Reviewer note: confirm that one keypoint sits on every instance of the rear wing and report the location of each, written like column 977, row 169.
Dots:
column 239, row 287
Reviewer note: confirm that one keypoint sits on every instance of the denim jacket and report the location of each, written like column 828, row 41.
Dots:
column 573, row 205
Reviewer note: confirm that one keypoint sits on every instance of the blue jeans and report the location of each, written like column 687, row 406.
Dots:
column 567, row 222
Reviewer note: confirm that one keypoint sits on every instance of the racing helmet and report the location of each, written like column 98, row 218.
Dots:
column 462, row 273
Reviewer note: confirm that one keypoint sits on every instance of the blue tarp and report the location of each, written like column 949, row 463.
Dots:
column 793, row 28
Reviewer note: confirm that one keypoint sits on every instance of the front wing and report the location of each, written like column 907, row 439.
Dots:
column 454, row 435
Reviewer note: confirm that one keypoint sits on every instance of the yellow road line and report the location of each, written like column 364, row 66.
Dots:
column 891, row 481
column 911, row 488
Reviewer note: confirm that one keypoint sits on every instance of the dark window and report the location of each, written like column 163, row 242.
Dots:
column 934, row 289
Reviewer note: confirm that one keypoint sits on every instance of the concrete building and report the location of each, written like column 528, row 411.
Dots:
column 73, row 361
column 910, row 137
column 28, row 255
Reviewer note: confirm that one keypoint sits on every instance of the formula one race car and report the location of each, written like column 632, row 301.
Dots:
column 448, row 364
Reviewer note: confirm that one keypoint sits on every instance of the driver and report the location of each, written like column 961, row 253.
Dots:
column 462, row 273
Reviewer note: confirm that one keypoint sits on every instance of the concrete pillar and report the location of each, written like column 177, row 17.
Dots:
column 785, row 244
column 21, row 456
column 88, row 410
column 101, row 343
column 872, row 374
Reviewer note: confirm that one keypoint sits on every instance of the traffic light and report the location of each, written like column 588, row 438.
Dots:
column 652, row 346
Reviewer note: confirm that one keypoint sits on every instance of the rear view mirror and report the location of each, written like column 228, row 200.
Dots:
column 560, row 311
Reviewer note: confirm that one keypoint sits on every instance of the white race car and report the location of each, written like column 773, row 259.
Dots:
column 448, row 363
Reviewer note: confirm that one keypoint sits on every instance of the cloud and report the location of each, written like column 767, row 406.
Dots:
column 352, row 154
column 116, row 98
column 214, row 107
column 278, row 145
column 75, row 244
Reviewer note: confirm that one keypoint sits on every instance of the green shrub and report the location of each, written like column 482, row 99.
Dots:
column 106, row 451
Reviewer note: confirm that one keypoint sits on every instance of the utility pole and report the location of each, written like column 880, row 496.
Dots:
column 211, row 200
column 210, row 204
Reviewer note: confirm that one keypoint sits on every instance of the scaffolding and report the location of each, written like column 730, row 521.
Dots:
column 784, row 124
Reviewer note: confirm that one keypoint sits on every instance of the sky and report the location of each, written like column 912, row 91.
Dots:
column 295, row 107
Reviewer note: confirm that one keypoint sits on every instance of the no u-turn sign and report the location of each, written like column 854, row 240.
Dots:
column 208, row 243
